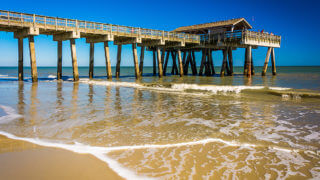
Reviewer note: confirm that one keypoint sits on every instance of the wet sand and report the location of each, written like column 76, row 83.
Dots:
column 23, row 160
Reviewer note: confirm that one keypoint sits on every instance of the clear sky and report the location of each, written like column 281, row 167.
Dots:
column 296, row 21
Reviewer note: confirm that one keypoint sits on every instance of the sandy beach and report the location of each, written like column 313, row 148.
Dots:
column 23, row 160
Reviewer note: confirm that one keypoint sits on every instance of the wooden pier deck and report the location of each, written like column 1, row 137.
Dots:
column 205, row 37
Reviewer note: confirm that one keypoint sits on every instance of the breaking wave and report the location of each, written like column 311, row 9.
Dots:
column 187, row 88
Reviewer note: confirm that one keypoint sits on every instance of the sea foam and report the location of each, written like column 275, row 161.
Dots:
column 182, row 87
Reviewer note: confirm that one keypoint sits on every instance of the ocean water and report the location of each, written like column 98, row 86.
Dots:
column 173, row 128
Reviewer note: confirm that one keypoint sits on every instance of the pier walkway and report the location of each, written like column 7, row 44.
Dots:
column 221, row 35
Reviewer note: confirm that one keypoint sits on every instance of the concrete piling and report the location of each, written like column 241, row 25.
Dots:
column 91, row 61
column 20, row 60
column 107, row 57
column 141, row 59
column 74, row 60
column 265, row 67
column 273, row 61
column 34, row 73
column 118, row 61
column 230, row 58
column 135, row 60
column 154, row 62
column 159, row 62
column 59, row 63
column 249, row 61
column 224, row 63
column 180, row 62
column 166, row 63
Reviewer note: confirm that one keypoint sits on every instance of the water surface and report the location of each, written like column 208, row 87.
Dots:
column 173, row 128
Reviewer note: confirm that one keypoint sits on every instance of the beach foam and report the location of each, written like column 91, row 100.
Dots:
column 10, row 114
column 213, row 88
column 52, row 76
column 5, row 76
column 182, row 87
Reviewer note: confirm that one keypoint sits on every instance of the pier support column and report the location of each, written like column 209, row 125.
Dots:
column 249, row 61
column 59, row 63
column 174, row 70
column 207, row 63
column 141, row 60
column 273, row 61
column 203, row 59
column 230, row 61
column 34, row 73
column 245, row 67
column 265, row 67
column 166, row 63
column 107, row 57
column 252, row 67
column 180, row 62
column 20, row 60
column 135, row 60
column 118, row 61
column 224, row 62
column 154, row 62
column 184, row 58
column 186, row 65
column 193, row 64
column 159, row 62
column 74, row 60
column 163, row 54
column 91, row 61
column 211, row 65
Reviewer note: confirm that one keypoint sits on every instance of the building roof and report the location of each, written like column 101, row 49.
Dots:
column 217, row 24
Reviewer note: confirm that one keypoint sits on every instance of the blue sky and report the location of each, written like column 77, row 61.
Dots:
column 296, row 21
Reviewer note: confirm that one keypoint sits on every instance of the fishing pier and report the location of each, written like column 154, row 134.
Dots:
column 180, row 43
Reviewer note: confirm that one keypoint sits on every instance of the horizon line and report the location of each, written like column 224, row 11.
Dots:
column 151, row 66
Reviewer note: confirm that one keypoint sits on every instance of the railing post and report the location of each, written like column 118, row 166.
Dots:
column 8, row 14
column 34, row 20
column 110, row 28
column 66, row 24
column 21, row 19
column 77, row 25
column 56, row 23
column 139, row 32
column 45, row 22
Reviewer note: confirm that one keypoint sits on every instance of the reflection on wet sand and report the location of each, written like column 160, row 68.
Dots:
column 74, row 101
column 117, row 103
column 33, row 104
column 61, row 116
column 107, row 101
column 60, row 98
column 90, row 94
column 21, row 101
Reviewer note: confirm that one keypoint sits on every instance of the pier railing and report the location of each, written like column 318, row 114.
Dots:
column 54, row 23
column 245, row 37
